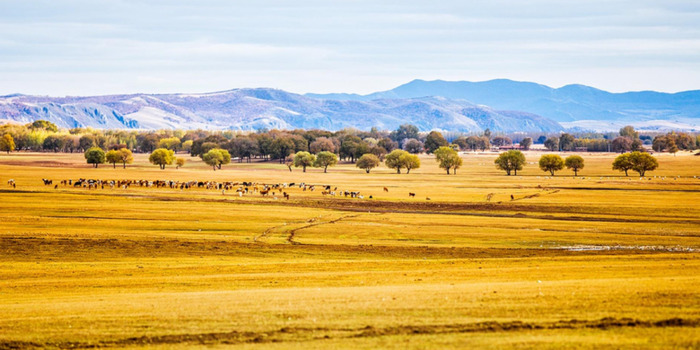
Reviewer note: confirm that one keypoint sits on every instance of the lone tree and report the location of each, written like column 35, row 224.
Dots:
column 510, row 161
column 324, row 159
column 125, row 157
column 162, row 157
column 7, row 143
column 622, row 163
column 393, row 160
column 574, row 163
column 433, row 141
column 643, row 162
column 410, row 161
column 216, row 158
column 113, row 157
column 368, row 162
column 180, row 162
column 398, row 159
column 304, row 159
column 551, row 163
column 448, row 159
column 95, row 156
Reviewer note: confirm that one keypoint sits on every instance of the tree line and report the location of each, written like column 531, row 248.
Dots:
column 514, row 160
column 346, row 144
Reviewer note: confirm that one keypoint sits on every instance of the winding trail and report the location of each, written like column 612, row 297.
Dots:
column 292, row 233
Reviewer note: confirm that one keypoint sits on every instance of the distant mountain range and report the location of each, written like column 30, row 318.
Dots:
column 500, row 105
column 574, row 106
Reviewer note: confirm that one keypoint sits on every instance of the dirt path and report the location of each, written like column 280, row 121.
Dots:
column 292, row 233
column 296, row 334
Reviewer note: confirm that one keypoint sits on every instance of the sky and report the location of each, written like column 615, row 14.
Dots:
column 93, row 47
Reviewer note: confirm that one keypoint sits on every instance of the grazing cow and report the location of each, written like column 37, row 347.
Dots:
column 386, row 189
column 427, row 198
column 511, row 197
column 411, row 195
column 264, row 192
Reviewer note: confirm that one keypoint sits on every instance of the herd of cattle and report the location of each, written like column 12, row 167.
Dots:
column 239, row 188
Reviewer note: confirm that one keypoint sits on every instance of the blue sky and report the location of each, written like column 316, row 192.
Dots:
column 82, row 47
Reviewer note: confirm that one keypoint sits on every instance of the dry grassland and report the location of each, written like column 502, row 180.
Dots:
column 601, row 260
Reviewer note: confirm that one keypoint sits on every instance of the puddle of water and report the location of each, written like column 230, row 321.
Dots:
column 583, row 248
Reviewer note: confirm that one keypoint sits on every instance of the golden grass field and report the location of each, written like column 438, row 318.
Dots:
column 601, row 260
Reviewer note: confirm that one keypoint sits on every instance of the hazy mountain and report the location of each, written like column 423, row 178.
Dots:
column 249, row 109
column 575, row 106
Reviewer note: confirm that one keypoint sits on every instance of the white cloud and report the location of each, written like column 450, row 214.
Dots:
column 76, row 47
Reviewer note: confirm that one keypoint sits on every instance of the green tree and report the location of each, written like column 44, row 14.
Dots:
column 448, row 159
column 304, row 159
column 7, row 143
column 95, row 156
column 405, row 131
column 216, row 158
column 368, row 162
column 574, row 163
column 433, row 141
column 410, row 161
column 628, row 131
column 162, row 157
column 551, row 163
column 461, row 142
column 113, row 157
column 187, row 146
column 53, row 143
column 281, row 147
column 671, row 147
column 643, row 162
column 87, row 141
column 552, row 143
column 622, row 163
column 171, row 143
column 324, row 159
column 43, row 124
column 393, row 160
column 500, row 141
column 126, row 157
column 510, row 161
column 566, row 142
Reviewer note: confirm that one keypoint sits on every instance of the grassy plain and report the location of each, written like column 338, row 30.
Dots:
column 600, row 260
